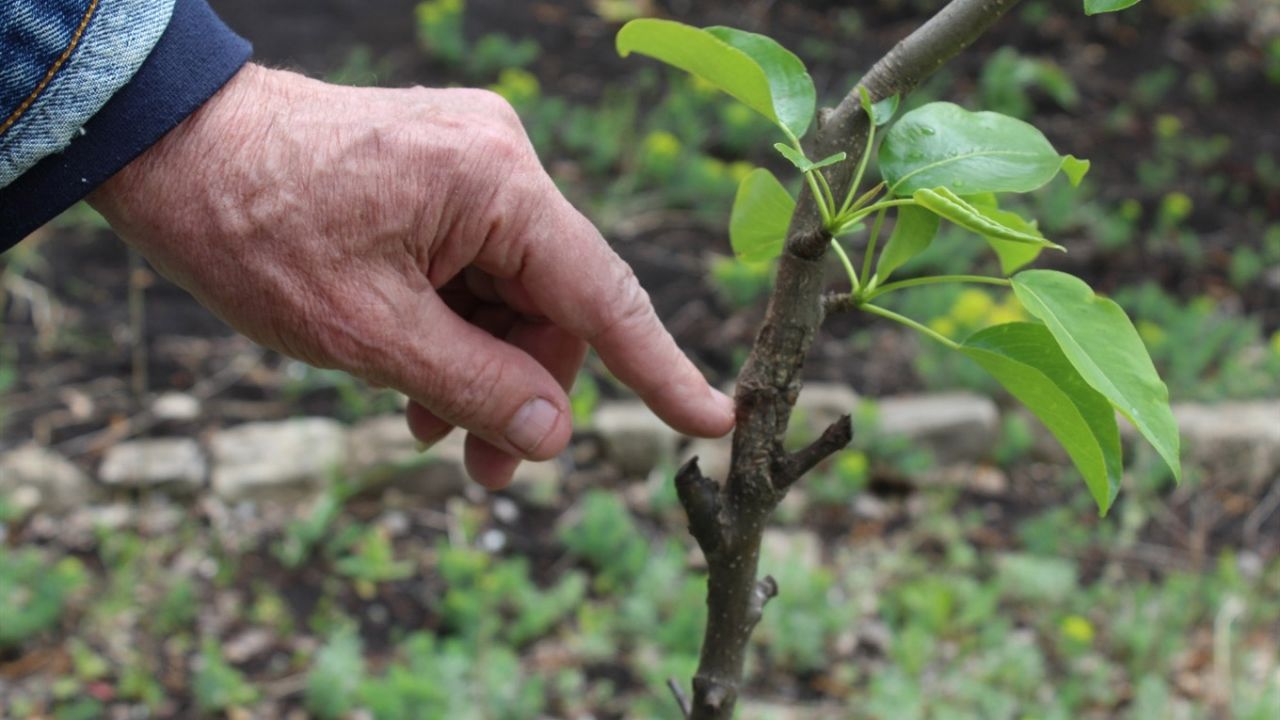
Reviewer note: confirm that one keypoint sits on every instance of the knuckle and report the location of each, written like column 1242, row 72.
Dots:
column 630, row 310
column 466, row 396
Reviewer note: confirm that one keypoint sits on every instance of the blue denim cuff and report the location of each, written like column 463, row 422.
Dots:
column 194, row 58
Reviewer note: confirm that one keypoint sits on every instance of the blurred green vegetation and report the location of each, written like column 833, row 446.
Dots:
column 1061, row 615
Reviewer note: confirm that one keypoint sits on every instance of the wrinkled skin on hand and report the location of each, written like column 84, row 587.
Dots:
column 411, row 238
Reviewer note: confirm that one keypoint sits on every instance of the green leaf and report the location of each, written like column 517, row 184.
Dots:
column 950, row 206
column 1095, row 7
column 944, row 145
column 761, row 213
column 830, row 160
column 792, row 94
column 700, row 53
column 912, row 234
column 797, row 158
column 1100, row 341
column 1027, row 361
column 881, row 112
column 1013, row 255
column 1075, row 169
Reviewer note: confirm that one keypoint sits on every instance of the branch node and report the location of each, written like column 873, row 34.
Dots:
column 833, row 440
column 833, row 303
column 700, row 497
column 765, row 590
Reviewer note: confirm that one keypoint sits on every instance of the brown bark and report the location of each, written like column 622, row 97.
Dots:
column 728, row 521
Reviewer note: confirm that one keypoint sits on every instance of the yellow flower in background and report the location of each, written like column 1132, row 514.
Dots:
column 1009, row 311
column 1077, row 629
column 1152, row 334
column 740, row 170
column 517, row 86
column 971, row 307
column 662, row 145
column 943, row 326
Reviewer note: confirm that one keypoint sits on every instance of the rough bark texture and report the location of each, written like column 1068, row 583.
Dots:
column 727, row 521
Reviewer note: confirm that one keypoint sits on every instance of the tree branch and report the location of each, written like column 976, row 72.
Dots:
column 833, row 440
column 728, row 521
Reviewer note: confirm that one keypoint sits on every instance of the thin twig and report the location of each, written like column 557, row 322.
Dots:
column 681, row 699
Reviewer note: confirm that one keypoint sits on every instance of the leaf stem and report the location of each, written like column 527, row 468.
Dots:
column 862, row 169
column 870, row 253
column 820, row 198
column 877, row 310
column 938, row 280
column 848, row 266
column 826, row 190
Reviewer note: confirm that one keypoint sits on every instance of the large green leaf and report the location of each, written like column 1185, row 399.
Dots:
column 752, row 68
column 791, row 90
column 912, row 234
column 761, row 213
column 949, row 206
column 944, row 145
column 1094, row 7
column 1027, row 361
column 1101, row 342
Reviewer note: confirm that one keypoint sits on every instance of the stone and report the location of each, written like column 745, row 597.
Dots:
column 634, row 439
column 820, row 404
column 714, row 456
column 382, row 452
column 797, row 547
column 149, row 463
column 44, row 480
column 539, row 484
column 176, row 407
column 955, row 427
column 1237, row 443
column 268, row 460
column 750, row 709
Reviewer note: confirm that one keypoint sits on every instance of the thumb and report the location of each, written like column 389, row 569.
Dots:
column 470, row 379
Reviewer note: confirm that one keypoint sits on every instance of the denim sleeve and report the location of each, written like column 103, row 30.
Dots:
column 88, row 85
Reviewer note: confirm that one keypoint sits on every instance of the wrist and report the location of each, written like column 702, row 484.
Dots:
column 190, row 156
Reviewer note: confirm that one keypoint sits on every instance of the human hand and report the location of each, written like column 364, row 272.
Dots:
column 411, row 238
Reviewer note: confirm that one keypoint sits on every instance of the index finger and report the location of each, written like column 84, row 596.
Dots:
column 580, row 284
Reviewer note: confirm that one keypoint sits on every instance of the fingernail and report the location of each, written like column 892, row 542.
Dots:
column 532, row 424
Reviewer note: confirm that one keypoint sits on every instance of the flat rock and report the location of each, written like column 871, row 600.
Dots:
column 820, row 404
column 955, row 427
column 40, row 479
column 634, row 439
column 382, row 451
column 1236, row 442
column 800, row 547
column 159, row 461
column 273, row 459
column 761, row 710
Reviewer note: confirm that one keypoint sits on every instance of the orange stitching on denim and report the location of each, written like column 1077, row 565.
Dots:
column 48, row 77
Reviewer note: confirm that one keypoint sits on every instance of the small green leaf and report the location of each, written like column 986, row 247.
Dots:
column 792, row 94
column 944, row 145
column 1095, row 7
column 700, row 53
column 912, row 234
column 761, row 213
column 950, row 206
column 1101, row 342
column 797, row 158
column 832, row 160
column 1013, row 255
column 1027, row 361
column 882, row 112
column 1075, row 169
